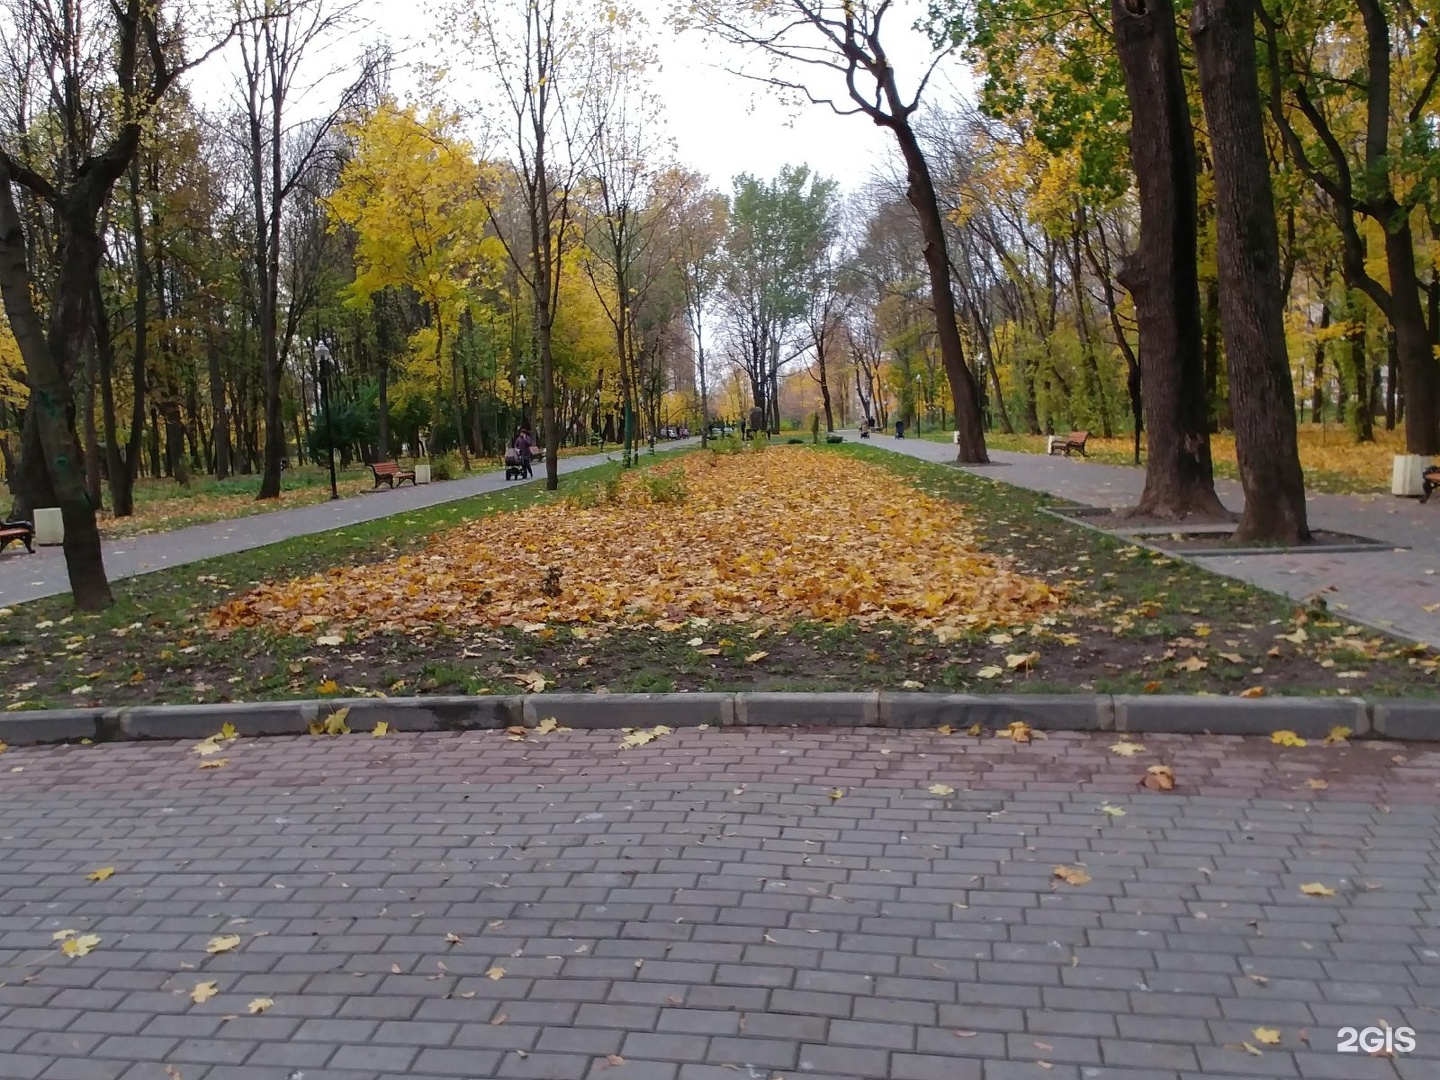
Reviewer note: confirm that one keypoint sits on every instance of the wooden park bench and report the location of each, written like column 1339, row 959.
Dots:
column 391, row 474
column 1431, row 480
column 23, row 531
column 1068, row 444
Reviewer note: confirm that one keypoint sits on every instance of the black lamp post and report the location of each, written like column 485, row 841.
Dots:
column 322, row 354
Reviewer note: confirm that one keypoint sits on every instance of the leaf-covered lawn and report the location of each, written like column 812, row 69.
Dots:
column 767, row 539
column 1056, row 607
column 1333, row 461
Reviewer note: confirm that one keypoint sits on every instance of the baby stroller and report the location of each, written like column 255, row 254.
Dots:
column 515, row 467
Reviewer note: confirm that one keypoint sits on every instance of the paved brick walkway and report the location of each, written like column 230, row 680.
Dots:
column 702, row 909
column 29, row 577
column 1388, row 589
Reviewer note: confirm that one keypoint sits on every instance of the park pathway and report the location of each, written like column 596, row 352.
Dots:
column 30, row 577
column 1396, row 590
column 730, row 904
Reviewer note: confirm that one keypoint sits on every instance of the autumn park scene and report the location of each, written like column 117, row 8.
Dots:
column 588, row 540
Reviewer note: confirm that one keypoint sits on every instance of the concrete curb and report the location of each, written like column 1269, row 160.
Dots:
column 1309, row 717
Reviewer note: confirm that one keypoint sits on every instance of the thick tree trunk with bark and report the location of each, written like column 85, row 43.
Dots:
column 1162, row 274
column 1262, row 396
column 51, row 469
column 920, row 192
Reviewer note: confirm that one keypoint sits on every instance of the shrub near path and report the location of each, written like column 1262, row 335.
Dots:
column 832, row 568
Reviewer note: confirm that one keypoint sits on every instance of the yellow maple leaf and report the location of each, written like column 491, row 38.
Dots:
column 80, row 946
column 102, row 874
column 837, row 793
column 203, row 992
column 989, row 671
column 222, row 943
column 259, row 1005
column 1315, row 888
column 1127, row 749
column 1338, row 734
column 941, row 789
column 1022, row 661
column 1286, row 738
column 382, row 727
column 329, row 686
column 756, row 657
column 1266, row 1036
column 334, row 724
column 1193, row 663
column 227, row 731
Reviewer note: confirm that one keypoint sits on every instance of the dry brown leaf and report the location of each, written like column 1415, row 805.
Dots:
column 1159, row 778
column 640, row 736
column 1072, row 875
column 1317, row 785
column 1253, row 692
column 756, row 657
column 495, row 973
column 1193, row 663
column 932, row 573
column 614, row 1059
column 1127, row 749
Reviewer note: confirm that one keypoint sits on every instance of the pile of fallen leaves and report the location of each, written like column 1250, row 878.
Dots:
column 766, row 539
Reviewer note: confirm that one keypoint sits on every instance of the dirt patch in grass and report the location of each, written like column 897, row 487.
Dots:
column 1136, row 621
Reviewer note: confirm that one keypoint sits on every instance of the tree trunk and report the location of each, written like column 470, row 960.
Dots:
column 51, row 470
column 1317, row 392
column 1162, row 274
column 1211, row 319
column 1392, row 378
column 1262, row 396
column 920, row 191
column 1364, row 425
column 1419, row 373
column 221, row 422
column 92, row 437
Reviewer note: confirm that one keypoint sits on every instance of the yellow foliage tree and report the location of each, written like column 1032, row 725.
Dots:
column 411, row 194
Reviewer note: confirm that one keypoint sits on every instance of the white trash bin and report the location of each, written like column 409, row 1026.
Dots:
column 49, row 526
column 1406, row 479
column 422, row 473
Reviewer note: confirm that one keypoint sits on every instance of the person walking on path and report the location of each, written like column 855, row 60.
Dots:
column 524, row 447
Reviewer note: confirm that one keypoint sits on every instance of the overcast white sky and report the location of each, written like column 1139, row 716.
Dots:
column 721, row 124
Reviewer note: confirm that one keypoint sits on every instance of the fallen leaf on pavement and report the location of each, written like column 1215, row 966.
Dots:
column 80, row 946
column 1338, row 734
column 1127, row 749
column 1113, row 811
column 259, row 1005
column 1072, row 875
column 1266, row 1036
column 1317, row 889
column 222, row 943
column 1286, row 738
column 837, row 793
column 941, row 789
column 1017, row 731
column 101, row 874
column 1159, row 778
column 382, row 727
column 495, row 973
column 1317, row 785
column 640, row 736
column 203, row 992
